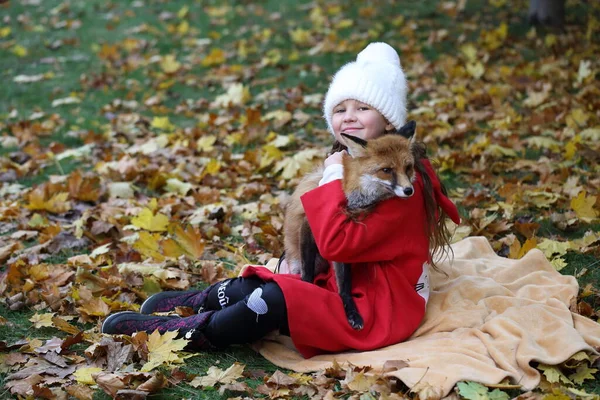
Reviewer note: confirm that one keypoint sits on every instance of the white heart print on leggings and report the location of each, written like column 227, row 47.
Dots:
column 256, row 303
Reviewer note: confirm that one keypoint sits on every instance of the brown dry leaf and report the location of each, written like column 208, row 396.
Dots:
column 39, row 199
column 7, row 250
column 154, row 384
column 80, row 392
column 394, row 365
column 281, row 379
column 190, row 239
column 64, row 326
column 109, row 382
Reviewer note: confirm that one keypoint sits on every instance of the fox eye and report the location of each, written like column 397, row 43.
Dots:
column 386, row 170
column 409, row 169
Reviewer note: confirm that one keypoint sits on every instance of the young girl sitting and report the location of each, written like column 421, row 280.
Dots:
column 390, row 249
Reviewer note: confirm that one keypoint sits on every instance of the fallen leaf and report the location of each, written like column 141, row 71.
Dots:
column 84, row 375
column 164, row 349
column 583, row 205
column 216, row 375
column 153, row 223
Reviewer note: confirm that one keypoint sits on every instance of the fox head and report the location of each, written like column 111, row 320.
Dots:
column 380, row 168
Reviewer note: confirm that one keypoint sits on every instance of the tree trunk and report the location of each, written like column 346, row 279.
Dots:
column 547, row 12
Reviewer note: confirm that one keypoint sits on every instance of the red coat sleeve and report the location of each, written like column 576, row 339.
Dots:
column 394, row 227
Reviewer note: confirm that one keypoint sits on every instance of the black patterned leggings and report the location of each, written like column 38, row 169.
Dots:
column 246, row 310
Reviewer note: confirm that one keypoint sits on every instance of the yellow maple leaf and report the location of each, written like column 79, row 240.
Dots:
column 570, row 149
column 169, row 64
column 582, row 373
column 206, row 143
column 19, row 50
column 183, row 12
column 148, row 245
column 271, row 58
column 291, row 166
column 344, row 23
column 360, row 382
column 162, row 123
column 163, row 349
column 583, row 206
column 215, row 57
column 577, row 118
column 213, row 166
column 150, row 222
column 42, row 320
column 469, row 51
column 183, row 28
column 528, row 245
column 84, row 375
column 56, row 204
column 37, row 221
column 170, row 248
column 476, row 69
column 553, row 248
column 4, row 32
column 216, row 375
column 558, row 263
column 301, row 37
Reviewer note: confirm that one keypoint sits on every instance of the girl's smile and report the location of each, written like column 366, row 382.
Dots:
column 358, row 119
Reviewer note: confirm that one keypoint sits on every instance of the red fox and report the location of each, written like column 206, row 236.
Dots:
column 376, row 170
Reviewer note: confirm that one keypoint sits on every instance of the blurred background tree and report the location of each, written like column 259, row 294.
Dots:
column 547, row 12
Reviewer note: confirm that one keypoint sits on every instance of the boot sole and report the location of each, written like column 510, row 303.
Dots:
column 131, row 316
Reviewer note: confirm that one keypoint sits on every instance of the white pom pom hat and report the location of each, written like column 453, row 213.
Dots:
column 375, row 78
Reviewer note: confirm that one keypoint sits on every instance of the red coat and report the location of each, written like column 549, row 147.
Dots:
column 387, row 251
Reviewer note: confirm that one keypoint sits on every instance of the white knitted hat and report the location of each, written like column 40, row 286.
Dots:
column 375, row 78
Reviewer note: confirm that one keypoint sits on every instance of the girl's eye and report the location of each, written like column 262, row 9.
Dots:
column 386, row 170
column 364, row 108
column 339, row 110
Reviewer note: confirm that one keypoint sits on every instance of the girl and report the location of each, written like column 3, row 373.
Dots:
column 389, row 249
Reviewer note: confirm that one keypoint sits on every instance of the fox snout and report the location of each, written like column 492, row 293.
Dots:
column 404, row 191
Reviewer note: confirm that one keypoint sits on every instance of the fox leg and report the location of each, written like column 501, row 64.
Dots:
column 309, row 251
column 343, row 278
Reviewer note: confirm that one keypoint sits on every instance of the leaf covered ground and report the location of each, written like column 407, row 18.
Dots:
column 149, row 145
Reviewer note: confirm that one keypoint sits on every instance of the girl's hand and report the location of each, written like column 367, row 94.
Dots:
column 335, row 158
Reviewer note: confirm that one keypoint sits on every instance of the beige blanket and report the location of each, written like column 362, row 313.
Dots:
column 486, row 321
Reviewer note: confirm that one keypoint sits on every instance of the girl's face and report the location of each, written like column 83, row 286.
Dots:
column 355, row 118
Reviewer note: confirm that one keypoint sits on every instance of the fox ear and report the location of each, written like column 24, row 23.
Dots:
column 408, row 130
column 356, row 146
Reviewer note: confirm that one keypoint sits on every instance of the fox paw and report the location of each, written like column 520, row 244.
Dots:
column 355, row 321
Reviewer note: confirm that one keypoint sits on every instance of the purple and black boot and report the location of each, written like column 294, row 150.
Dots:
column 168, row 300
column 129, row 322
